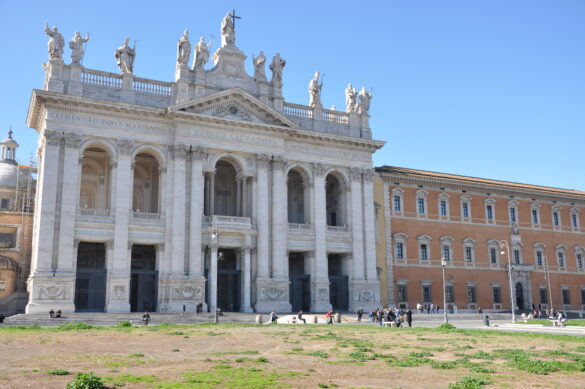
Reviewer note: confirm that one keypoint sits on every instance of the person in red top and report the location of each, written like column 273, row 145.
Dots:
column 329, row 317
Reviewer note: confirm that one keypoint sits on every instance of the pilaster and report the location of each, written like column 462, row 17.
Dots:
column 320, row 301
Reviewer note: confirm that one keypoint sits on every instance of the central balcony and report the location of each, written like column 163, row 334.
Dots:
column 228, row 222
column 95, row 215
column 147, row 218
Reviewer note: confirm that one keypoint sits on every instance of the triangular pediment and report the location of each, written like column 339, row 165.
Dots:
column 234, row 104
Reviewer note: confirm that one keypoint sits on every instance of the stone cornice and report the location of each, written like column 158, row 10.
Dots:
column 497, row 188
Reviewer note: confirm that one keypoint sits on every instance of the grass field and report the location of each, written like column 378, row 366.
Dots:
column 293, row 356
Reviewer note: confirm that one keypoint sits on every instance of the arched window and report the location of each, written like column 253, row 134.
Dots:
column 297, row 197
column 145, row 196
column 335, row 200
column 96, row 179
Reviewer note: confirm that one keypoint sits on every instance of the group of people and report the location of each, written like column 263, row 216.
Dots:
column 428, row 308
column 55, row 315
column 396, row 316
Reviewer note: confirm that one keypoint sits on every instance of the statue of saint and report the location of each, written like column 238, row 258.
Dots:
column 515, row 229
column 315, row 91
column 183, row 49
column 276, row 67
column 56, row 43
column 201, row 53
column 228, row 33
column 259, row 69
column 125, row 56
column 76, row 46
column 364, row 99
column 351, row 104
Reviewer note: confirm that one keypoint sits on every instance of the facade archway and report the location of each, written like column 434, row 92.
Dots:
column 335, row 197
column 297, row 197
column 146, row 183
column 96, row 178
column 226, row 191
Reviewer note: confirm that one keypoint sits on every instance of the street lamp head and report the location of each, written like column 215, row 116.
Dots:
column 443, row 262
column 502, row 252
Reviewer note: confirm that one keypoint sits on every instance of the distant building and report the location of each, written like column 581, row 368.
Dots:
column 428, row 216
column 17, row 190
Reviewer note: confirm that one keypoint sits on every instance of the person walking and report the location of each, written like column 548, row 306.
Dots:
column 300, row 317
column 329, row 317
column 273, row 317
column 360, row 313
column 409, row 317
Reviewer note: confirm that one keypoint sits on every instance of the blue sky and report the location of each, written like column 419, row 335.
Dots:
column 492, row 89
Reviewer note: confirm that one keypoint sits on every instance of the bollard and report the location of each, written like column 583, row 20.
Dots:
column 259, row 319
column 315, row 319
column 486, row 321
column 337, row 318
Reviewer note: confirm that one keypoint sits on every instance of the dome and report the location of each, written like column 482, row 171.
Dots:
column 8, row 173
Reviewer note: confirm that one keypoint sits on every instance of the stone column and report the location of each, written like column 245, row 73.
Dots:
column 245, row 196
column 239, row 196
column 117, row 292
column 389, row 248
column 41, row 277
column 211, row 193
column 196, row 275
column 320, row 273
column 357, row 223
column 119, row 273
column 247, row 276
column 69, row 196
column 212, row 276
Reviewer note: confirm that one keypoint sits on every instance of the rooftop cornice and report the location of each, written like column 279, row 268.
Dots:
column 421, row 177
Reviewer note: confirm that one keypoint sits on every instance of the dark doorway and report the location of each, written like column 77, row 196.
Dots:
column 519, row 296
column 228, row 281
column 300, row 283
column 90, row 283
column 338, row 284
column 144, row 279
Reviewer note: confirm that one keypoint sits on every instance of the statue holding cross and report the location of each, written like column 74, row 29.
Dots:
column 228, row 29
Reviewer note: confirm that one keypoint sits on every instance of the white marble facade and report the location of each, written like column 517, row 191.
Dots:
column 215, row 177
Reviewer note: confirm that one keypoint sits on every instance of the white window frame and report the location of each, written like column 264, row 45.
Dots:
column 575, row 217
column 556, row 209
column 469, row 243
column 400, row 193
column 444, row 197
column 447, row 241
column 580, row 250
column 466, row 199
column 539, row 248
column 401, row 238
column 561, row 249
column 400, row 283
column 513, row 204
column 535, row 207
column 517, row 246
column 568, row 289
column 487, row 204
column 426, row 240
column 421, row 194
column 493, row 244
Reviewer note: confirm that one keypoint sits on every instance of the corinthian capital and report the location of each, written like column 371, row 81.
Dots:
column 279, row 163
column 72, row 140
column 125, row 146
column 198, row 153
column 368, row 175
column 355, row 174
column 52, row 138
column 262, row 160
column 320, row 169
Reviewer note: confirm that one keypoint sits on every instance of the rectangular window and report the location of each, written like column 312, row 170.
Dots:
column 7, row 237
column 574, row 220
column 399, row 250
column 449, row 293
column 443, row 208
column 556, row 219
column 424, row 252
column 447, row 253
column 5, row 203
column 561, row 258
column 580, row 261
column 497, row 292
column 566, row 296
column 468, row 254
column 397, row 207
column 493, row 255
column 427, row 294
column 490, row 212
column 543, row 296
column 583, row 296
column 517, row 256
column 539, row 258
column 513, row 215
column 465, row 209
column 534, row 216
column 421, row 205
column 402, row 293
column 471, row 297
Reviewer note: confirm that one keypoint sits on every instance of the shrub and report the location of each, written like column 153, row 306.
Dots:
column 58, row 372
column 86, row 381
column 320, row 354
column 125, row 323
column 470, row 382
column 447, row 326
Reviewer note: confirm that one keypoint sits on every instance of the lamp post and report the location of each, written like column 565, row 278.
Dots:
column 443, row 264
column 504, row 243
column 550, row 310
column 213, row 274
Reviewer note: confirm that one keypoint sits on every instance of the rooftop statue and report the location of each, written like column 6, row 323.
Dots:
column 228, row 32
column 364, row 99
column 351, row 103
column 315, row 91
column 56, row 43
column 125, row 57
column 259, row 67
column 201, row 53
column 76, row 46
column 184, row 49
column 276, row 67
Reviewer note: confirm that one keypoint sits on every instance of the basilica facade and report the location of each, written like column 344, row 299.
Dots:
column 155, row 196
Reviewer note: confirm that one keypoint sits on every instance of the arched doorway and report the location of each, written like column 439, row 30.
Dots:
column 519, row 296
